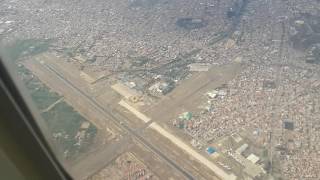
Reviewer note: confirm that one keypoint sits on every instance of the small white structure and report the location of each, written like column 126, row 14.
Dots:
column 242, row 148
column 160, row 88
column 212, row 94
column 222, row 93
column 126, row 92
column 299, row 22
column 238, row 59
column 253, row 158
column 85, row 125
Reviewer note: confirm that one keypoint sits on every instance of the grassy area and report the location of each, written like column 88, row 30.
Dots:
column 217, row 37
column 65, row 123
column 41, row 94
column 140, row 61
column 43, row 98
column 144, row 3
column 28, row 47
column 62, row 120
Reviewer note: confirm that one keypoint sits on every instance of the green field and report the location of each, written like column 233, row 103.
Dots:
column 62, row 120
column 27, row 47
column 65, row 123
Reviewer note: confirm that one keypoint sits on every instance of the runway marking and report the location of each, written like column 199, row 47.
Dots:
column 218, row 171
column 137, row 113
column 155, row 126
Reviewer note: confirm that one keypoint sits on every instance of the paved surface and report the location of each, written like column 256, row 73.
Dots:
column 222, row 174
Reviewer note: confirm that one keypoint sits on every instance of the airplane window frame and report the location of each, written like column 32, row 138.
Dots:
column 24, row 128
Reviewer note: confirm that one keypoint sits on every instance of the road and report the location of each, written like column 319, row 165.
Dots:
column 118, row 119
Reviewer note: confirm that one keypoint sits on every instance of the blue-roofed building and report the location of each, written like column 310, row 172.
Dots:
column 211, row 150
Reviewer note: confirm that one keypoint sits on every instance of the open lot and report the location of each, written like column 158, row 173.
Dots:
column 136, row 159
column 92, row 162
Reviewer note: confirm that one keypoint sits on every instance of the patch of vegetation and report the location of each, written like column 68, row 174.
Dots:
column 304, row 31
column 62, row 120
column 305, row 36
column 314, row 22
column 43, row 98
column 144, row 3
column 191, row 54
column 217, row 37
column 65, row 122
column 139, row 61
column 237, row 9
column 27, row 47
column 313, row 55
column 191, row 23
column 268, row 84
column 41, row 94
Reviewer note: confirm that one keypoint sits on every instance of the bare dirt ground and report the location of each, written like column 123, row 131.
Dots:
column 98, row 158
column 136, row 157
column 158, row 166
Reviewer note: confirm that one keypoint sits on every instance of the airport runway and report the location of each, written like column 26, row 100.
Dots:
column 118, row 119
